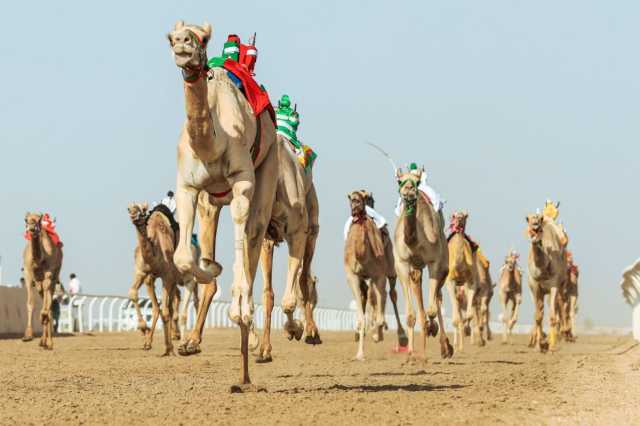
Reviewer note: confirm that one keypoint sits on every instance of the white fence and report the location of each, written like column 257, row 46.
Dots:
column 88, row 313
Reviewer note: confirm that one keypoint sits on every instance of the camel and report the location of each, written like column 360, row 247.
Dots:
column 294, row 220
column 42, row 260
column 224, row 153
column 154, row 259
column 365, row 267
column 148, row 266
column 510, row 287
column 463, row 275
column 419, row 243
column 547, row 273
column 391, row 272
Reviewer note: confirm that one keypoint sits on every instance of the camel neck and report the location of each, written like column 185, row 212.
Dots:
column 36, row 247
column 538, row 254
column 410, row 228
column 199, row 124
column 146, row 248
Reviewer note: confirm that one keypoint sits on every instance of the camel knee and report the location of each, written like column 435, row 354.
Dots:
column 411, row 321
column 240, row 205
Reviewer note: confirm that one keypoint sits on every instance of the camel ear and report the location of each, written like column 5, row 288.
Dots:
column 526, row 219
column 207, row 32
column 145, row 206
column 178, row 25
column 349, row 196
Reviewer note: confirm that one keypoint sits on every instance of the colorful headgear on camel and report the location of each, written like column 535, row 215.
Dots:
column 231, row 48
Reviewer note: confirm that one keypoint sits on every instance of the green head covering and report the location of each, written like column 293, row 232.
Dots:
column 413, row 166
column 284, row 102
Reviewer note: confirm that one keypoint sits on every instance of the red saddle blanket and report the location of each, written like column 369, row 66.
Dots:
column 258, row 97
column 49, row 228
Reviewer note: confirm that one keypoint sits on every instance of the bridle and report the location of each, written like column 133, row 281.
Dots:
column 409, row 203
column 193, row 74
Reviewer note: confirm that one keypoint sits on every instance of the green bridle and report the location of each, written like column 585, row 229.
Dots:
column 409, row 203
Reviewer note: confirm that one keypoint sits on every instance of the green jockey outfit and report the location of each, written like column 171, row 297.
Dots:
column 287, row 122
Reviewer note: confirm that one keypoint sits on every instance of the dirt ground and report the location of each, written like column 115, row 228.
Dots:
column 108, row 379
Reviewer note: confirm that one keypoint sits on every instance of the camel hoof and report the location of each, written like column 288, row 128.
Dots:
column 433, row 328
column 403, row 341
column 313, row 340
column 189, row 348
column 146, row 347
column 358, row 358
column 168, row 352
column 246, row 388
column 446, row 350
column 481, row 343
column 264, row 359
column 175, row 336
column 27, row 338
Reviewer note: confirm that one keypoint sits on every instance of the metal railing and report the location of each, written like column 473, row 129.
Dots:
column 93, row 313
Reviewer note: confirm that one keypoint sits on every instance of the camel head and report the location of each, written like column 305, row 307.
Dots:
column 368, row 198
column 459, row 221
column 33, row 223
column 357, row 204
column 535, row 224
column 189, row 47
column 138, row 213
column 408, row 183
column 511, row 261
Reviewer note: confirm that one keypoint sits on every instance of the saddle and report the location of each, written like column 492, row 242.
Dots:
column 164, row 210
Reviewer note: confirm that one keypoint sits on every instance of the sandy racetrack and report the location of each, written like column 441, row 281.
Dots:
column 98, row 379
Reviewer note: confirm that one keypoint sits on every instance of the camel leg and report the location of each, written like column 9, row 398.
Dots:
column 456, row 317
column 176, row 302
column 553, row 319
column 167, row 314
column 573, row 309
column 307, row 286
column 296, row 245
column 393, row 295
column 416, row 285
column 378, row 287
column 486, row 316
column 209, row 215
column 266, row 260
column 250, row 225
column 354, row 282
column 186, row 201
column 478, row 318
column 138, row 279
column 149, row 282
column 537, row 336
column 45, row 315
column 402, row 269
column 184, row 309
column 28, row 333
column 505, row 320
column 514, row 316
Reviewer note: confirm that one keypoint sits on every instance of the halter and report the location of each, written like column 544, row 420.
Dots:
column 409, row 203
column 202, row 53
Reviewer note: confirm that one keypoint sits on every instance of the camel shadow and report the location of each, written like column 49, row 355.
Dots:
column 377, row 388
column 500, row 361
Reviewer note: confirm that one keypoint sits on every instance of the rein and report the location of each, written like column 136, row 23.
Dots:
column 202, row 53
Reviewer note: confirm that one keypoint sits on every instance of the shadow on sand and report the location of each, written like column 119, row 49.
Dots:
column 376, row 388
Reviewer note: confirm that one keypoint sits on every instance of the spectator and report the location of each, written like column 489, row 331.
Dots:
column 74, row 285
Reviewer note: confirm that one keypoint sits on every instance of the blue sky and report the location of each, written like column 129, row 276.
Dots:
column 505, row 103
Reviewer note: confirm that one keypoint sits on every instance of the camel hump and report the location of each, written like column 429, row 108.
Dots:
column 166, row 213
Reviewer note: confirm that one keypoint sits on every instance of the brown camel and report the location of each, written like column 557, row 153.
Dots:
column 391, row 272
column 42, row 260
column 365, row 267
column 225, row 151
column 547, row 273
column 510, row 287
column 419, row 243
column 154, row 259
column 463, row 274
column 294, row 220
